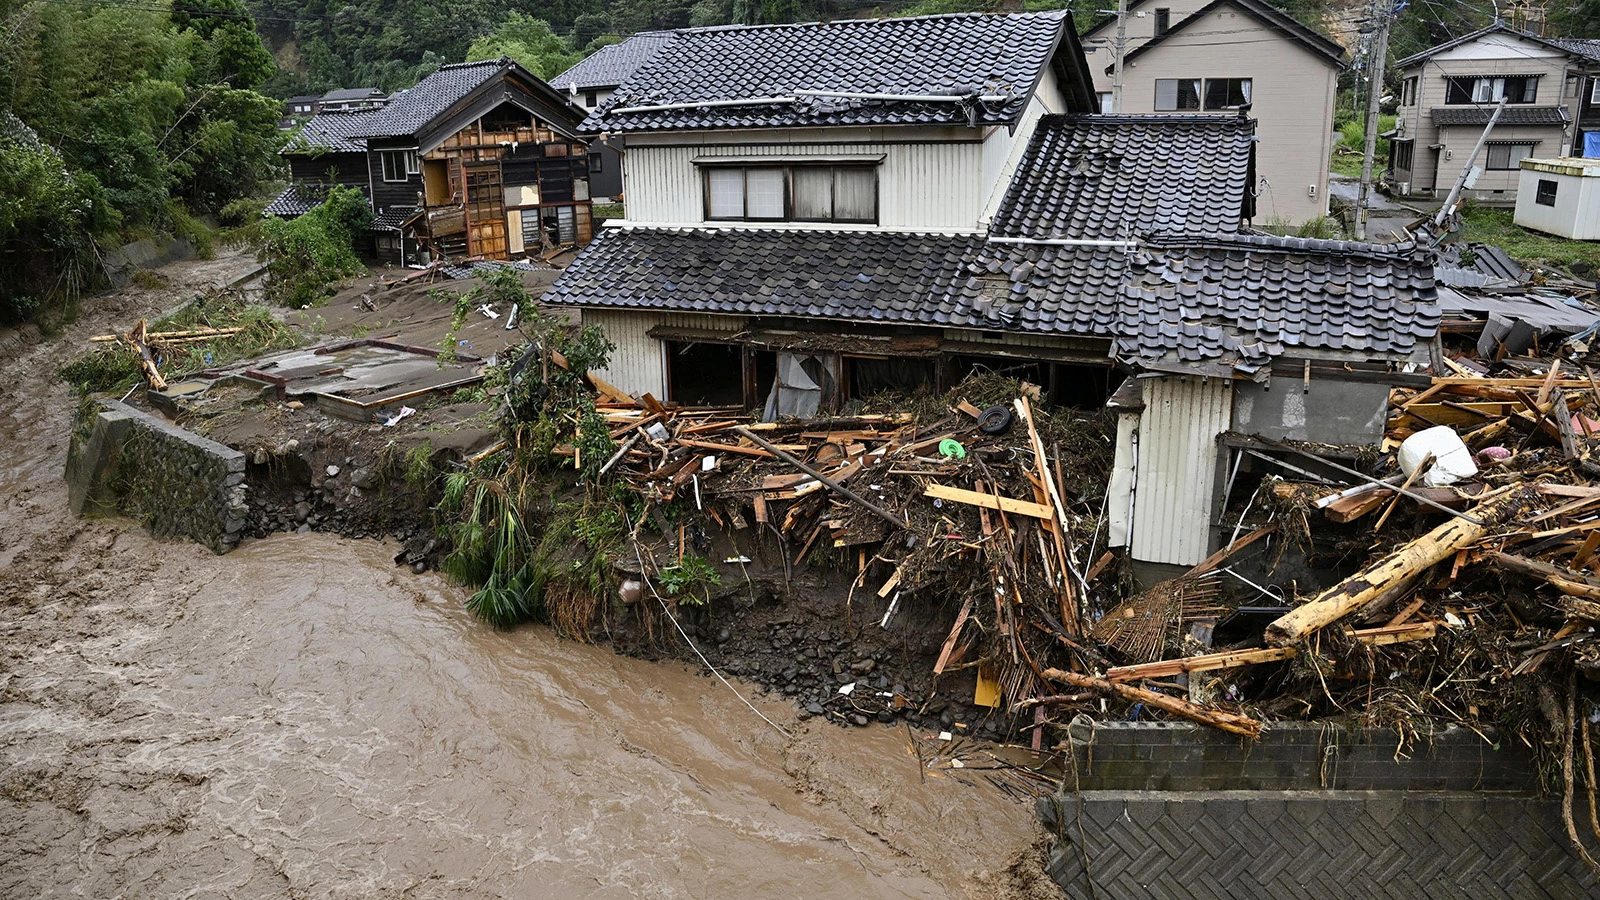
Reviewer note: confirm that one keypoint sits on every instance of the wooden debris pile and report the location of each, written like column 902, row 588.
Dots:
column 972, row 512
column 1474, row 601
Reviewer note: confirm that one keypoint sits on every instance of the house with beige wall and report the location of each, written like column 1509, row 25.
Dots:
column 1189, row 56
column 1448, row 93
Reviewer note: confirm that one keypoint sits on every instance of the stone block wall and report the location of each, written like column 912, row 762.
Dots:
column 124, row 461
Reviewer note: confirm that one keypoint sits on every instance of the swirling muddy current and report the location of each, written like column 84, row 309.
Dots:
column 300, row 718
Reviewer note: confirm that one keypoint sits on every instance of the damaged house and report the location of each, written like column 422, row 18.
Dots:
column 478, row 160
column 825, row 230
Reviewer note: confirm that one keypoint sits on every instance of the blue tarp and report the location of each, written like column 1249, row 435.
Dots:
column 1591, row 143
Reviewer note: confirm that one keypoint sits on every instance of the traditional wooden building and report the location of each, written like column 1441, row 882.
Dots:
column 477, row 160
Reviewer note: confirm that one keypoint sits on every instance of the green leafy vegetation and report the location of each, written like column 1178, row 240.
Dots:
column 691, row 580
column 114, row 366
column 306, row 254
column 118, row 121
column 1488, row 225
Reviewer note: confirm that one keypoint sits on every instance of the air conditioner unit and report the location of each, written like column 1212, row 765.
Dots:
column 1404, row 187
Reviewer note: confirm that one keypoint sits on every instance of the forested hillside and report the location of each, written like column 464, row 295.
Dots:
column 119, row 119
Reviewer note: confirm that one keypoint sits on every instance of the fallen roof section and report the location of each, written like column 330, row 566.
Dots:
column 713, row 78
column 1214, row 302
column 1097, row 176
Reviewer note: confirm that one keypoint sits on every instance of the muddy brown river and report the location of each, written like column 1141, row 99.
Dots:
column 302, row 719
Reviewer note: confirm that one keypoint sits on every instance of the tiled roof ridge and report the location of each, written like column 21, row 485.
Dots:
column 1147, row 119
column 497, row 61
column 1271, row 242
column 878, row 20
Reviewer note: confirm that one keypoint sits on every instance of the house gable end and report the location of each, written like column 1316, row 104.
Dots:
column 1271, row 19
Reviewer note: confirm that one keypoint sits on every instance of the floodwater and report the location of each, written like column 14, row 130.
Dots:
column 301, row 718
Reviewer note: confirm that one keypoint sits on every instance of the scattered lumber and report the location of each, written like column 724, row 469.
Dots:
column 1194, row 712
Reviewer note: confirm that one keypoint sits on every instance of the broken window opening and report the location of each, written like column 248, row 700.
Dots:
column 705, row 374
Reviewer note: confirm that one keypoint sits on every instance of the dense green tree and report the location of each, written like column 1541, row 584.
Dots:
column 529, row 42
column 143, row 118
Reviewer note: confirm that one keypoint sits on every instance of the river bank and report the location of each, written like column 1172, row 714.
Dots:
column 303, row 718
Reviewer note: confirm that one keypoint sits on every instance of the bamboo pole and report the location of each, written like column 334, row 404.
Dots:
column 1403, row 564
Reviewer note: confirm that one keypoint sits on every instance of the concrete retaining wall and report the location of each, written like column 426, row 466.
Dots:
column 1171, row 756
column 1173, row 810
column 124, row 461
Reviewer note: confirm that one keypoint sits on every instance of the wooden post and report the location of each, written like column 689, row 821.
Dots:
column 1403, row 564
column 1194, row 712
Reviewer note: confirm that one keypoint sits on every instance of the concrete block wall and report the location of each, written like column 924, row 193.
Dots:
column 1172, row 756
column 125, row 461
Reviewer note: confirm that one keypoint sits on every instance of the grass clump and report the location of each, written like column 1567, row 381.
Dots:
column 1482, row 224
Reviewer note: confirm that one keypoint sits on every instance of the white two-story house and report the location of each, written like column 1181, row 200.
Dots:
column 835, row 170
column 1215, row 56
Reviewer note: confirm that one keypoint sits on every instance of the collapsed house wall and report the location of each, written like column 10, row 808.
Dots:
column 1322, row 410
column 177, row 483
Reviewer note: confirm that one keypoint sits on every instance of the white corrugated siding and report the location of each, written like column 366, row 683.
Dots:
column 1177, row 467
column 924, row 185
column 636, row 363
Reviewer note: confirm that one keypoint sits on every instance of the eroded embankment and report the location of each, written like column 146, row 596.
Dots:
column 303, row 718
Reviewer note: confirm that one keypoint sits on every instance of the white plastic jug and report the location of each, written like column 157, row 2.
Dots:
column 1452, row 461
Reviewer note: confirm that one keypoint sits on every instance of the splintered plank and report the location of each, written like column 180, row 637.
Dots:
column 989, row 501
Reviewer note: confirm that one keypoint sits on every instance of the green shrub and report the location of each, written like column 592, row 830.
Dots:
column 306, row 254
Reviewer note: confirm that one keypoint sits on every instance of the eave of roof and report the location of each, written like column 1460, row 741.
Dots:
column 1498, row 28
column 413, row 111
column 1269, row 16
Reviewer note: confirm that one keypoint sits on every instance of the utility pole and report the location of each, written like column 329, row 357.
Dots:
column 1375, row 61
column 1120, row 49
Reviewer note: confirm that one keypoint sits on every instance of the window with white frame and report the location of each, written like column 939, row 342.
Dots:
column 399, row 165
column 1466, row 89
column 1503, row 157
column 1174, row 94
column 1408, row 92
column 1546, row 193
column 1594, row 90
column 1103, row 98
column 792, row 193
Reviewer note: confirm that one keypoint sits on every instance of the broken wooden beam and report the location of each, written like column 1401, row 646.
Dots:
column 1194, row 712
column 835, row 486
column 990, row 501
column 1396, row 568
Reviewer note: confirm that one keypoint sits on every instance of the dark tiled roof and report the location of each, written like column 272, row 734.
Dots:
column 1513, row 115
column 849, row 275
column 366, row 93
column 955, row 55
column 485, row 266
column 1584, row 47
column 1269, row 16
column 1226, row 300
column 296, row 200
column 391, row 218
column 410, row 110
column 1219, row 301
column 332, row 132
column 610, row 66
column 1093, row 176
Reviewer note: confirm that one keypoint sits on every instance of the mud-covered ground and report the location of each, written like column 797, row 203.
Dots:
column 302, row 718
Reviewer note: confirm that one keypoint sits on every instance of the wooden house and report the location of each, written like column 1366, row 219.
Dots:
column 478, row 160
